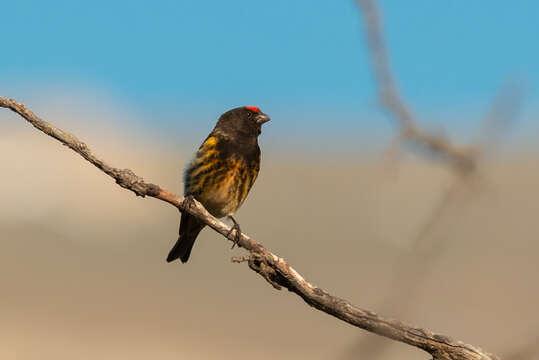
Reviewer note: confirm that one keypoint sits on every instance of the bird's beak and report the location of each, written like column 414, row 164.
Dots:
column 262, row 118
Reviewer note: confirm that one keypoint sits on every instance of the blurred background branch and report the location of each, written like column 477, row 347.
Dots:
column 411, row 268
column 462, row 158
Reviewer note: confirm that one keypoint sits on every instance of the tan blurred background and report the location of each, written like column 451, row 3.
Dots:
column 83, row 272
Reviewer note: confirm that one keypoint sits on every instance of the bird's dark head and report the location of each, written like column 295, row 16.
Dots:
column 242, row 121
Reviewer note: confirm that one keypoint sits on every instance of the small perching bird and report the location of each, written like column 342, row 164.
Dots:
column 222, row 173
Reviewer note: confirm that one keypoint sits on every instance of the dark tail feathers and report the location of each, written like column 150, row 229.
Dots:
column 190, row 227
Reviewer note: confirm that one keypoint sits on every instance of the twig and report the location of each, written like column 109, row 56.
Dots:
column 273, row 268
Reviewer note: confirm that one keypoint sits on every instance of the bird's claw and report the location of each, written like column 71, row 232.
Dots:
column 237, row 235
column 188, row 201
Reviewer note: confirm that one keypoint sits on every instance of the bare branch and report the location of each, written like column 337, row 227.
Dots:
column 273, row 268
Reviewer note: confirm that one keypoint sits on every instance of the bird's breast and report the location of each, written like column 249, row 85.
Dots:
column 222, row 185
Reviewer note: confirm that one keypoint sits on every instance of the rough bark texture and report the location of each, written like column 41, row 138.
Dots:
column 273, row 268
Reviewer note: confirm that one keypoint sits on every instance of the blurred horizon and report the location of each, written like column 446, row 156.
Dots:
column 91, row 115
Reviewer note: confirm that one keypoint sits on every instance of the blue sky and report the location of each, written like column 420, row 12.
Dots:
column 303, row 61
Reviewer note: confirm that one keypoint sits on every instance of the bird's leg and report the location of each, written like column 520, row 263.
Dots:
column 237, row 235
column 188, row 201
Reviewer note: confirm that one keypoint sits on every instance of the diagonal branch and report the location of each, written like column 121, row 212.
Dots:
column 273, row 268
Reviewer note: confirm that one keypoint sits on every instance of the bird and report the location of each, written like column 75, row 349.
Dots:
column 221, row 173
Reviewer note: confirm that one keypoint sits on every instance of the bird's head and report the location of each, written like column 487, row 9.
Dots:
column 246, row 120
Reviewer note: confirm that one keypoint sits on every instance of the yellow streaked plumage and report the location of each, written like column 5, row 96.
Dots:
column 222, row 172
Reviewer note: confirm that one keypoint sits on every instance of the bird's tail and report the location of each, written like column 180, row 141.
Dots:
column 190, row 227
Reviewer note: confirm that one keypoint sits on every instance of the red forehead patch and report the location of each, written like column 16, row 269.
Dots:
column 253, row 108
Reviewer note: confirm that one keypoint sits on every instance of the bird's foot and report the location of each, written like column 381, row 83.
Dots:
column 188, row 201
column 237, row 235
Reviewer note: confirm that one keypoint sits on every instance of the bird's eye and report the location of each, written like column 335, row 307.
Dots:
column 249, row 114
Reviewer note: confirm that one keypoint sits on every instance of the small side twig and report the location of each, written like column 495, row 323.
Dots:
column 259, row 265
